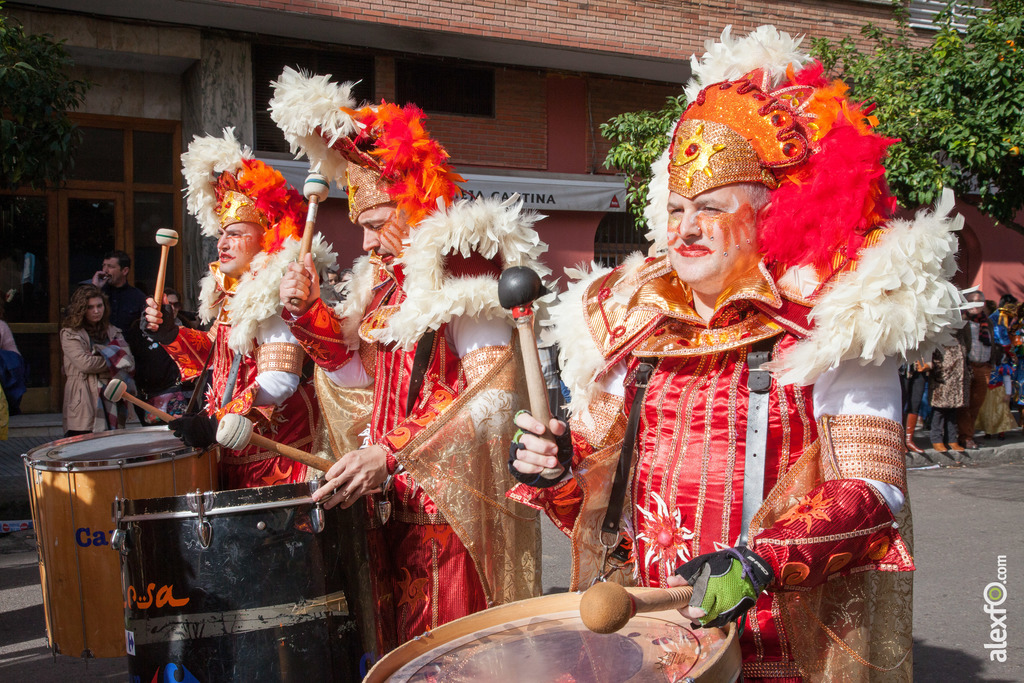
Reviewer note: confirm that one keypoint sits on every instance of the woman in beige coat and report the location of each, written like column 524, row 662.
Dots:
column 94, row 351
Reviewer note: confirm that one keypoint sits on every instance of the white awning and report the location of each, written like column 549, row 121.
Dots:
column 541, row 191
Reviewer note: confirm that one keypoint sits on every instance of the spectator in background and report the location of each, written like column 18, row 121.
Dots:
column 913, row 377
column 126, row 301
column 94, row 352
column 13, row 371
column 948, row 384
column 979, row 367
column 182, row 318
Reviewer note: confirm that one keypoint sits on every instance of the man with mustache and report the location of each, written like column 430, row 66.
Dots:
column 779, row 497
column 422, row 327
column 255, row 364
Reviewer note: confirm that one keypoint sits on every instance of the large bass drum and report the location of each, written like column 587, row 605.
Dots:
column 543, row 640
column 72, row 485
column 246, row 585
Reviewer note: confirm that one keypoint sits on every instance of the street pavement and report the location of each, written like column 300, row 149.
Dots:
column 968, row 534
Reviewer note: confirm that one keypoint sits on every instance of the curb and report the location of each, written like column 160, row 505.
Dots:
column 1010, row 450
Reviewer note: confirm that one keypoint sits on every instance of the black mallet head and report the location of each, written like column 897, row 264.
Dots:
column 519, row 286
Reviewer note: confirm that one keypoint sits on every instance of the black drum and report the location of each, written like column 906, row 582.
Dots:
column 246, row 585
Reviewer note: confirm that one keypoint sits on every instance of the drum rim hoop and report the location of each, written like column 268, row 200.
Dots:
column 39, row 458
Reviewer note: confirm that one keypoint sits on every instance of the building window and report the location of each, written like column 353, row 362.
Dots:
column 270, row 60
column 443, row 88
column 617, row 237
column 924, row 12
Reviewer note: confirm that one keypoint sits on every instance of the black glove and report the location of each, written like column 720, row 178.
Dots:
column 168, row 330
column 538, row 480
column 197, row 431
column 726, row 583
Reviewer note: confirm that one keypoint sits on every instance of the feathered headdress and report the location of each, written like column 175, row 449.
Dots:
column 389, row 142
column 225, row 185
column 757, row 115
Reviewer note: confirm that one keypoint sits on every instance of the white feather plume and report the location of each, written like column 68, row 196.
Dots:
column 303, row 103
column 656, row 212
column 207, row 157
column 360, row 291
column 488, row 227
column 729, row 58
column 257, row 295
column 897, row 303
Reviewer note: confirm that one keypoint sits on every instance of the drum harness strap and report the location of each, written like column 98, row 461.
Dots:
column 617, row 547
column 200, row 386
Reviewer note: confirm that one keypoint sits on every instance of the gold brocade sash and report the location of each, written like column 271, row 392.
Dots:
column 461, row 461
column 852, row 628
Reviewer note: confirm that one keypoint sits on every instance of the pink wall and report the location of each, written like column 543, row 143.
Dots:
column 992, row 255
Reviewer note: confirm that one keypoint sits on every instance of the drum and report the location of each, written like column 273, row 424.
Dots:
column 72, row 485
column 542, row 640
column 245, row 585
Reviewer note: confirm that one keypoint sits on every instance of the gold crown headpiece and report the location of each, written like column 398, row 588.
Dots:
column 236, row 207
column 733, row 132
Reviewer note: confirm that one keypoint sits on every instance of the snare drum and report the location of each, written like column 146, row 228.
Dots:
column 246, row 585
column 72, row 484
column 543, row 640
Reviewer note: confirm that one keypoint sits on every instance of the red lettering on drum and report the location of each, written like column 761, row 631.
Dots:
column 164, row 597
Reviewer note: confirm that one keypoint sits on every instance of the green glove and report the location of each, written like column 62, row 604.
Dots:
column 726, row 583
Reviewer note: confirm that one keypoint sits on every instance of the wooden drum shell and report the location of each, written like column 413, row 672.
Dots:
column 72, row 486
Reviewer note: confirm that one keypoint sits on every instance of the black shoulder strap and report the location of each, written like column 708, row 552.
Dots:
column 613, row 515
column 419, row 368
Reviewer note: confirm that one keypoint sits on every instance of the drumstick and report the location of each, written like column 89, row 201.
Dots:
column 315, row 189
column 607, row 607
column 518, row 288
column 116, row 390
column 166, row 238
column 234, row 431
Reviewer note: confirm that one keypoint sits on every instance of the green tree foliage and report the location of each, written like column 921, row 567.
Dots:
column 37, row 138
column 956, row 103
column 640, row 137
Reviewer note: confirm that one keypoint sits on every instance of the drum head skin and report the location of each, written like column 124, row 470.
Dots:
column 543, row 641
column 108, row 450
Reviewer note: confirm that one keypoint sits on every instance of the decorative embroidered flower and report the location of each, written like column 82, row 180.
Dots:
column 808, row 510
column 664, row 534
column 411, row 590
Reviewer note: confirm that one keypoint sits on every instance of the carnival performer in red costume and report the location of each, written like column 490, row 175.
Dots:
column 423, row 325
column 255, row 363
column 746, row 375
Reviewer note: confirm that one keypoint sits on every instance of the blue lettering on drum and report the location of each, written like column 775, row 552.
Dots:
column 86, row 537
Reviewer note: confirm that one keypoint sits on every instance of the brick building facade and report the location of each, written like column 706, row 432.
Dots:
column 521, row 89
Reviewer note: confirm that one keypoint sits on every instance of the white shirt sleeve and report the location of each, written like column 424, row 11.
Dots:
column 275, row 385
column 855, row 389
column 466, row 333
column 352, row 374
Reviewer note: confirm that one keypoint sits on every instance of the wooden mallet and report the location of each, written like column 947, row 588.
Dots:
column 518, row 288
column 235, row 431
column 315, row 190
column 607, row 607
column 166, row 238
column 236, row 435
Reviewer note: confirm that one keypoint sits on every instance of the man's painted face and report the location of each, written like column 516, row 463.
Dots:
column 237, row 245
column 94, row 310
column 116, row 275
column 712, row 238
column 384, row 230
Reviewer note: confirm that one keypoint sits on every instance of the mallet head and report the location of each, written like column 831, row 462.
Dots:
column 234, row 431
column 519, row 286
column 316, row 185
column 114, row 391
column 166, row 237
